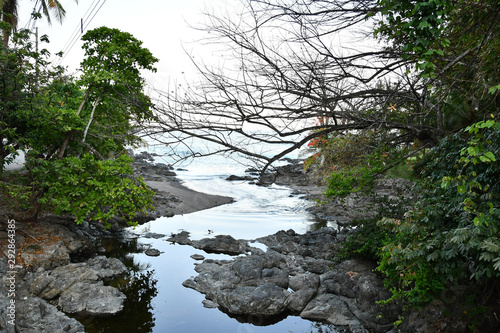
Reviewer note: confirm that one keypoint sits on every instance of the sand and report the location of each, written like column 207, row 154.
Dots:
column 190, row 200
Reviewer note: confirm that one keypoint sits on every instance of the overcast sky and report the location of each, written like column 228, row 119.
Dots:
column 162, row 26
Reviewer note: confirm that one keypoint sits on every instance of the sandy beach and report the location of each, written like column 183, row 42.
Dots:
column 190, row 200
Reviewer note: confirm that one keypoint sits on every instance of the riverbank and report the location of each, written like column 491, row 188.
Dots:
column 289, row 274
column 53, row 269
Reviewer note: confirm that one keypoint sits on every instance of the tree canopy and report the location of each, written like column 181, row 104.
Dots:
column 297, row 70
column 368, row 86
column 74, row 131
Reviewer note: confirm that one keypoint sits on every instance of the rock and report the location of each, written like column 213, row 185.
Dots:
column 303, row 281
column 276, row 276
column 153, row 235
column 79, row 287
column 58, row 245
column 107, row 268
column 258, row 284
column 197, row 257
column 96, row 300
column 47, row 254
column 234, row 178
column 143, row 155
column 34, row 315
column 266, row 300
column 209, row 304
column 221, row 244
column 330, row 307
column 298, row 300
column 181, row 238
column 152, row 252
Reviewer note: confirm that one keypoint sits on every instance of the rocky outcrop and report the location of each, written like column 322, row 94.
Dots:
column 64, row 285
column 295, row 276
column 34, row 315
column 219, row 244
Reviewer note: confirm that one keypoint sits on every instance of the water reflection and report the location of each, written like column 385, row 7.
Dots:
column 137, row 315
column 139, row 286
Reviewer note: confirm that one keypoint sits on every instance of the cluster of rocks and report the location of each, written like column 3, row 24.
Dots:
column 295, row 275
column 49, row 285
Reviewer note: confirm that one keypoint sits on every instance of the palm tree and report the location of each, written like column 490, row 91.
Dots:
column 9, row 15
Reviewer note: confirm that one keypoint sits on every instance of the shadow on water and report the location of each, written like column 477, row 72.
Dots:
column 139, row 286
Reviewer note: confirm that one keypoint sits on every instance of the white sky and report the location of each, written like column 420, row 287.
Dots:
column 162, row 26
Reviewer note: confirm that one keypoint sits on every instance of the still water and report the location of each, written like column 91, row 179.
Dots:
column 156, row 299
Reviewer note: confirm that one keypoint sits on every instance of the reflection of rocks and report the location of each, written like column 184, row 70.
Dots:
column 296, row 275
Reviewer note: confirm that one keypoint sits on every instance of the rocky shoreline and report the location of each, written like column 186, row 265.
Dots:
column 294, row 275
column 61, row 271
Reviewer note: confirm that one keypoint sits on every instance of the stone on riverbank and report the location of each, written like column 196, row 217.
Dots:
column 295, row 276
column 65, row 284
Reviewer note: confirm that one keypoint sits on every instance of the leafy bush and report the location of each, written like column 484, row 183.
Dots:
column 351, row 163
column 90, row 188
column 452, row 235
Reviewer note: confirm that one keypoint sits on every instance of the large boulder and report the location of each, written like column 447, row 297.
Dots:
column 34, row 315
column 79, row 287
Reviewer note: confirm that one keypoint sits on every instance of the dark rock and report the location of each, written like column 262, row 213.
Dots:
column 142, row 156
column 181, row 238
column 344, row 294
column 234, row 178
column 332, row 308
column 303, row 281
column 221, row 244
column 152, row 252
column 153, row 235
column 298, row 300
column 34, row 315
column 266, row 300
column 197, row 257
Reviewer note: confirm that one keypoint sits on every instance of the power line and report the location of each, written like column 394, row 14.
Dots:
column 78, row 32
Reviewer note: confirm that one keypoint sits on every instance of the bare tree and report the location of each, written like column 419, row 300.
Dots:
column 294, row 71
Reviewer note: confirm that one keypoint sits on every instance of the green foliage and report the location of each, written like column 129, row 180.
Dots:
column 368, row 237
column 91, row 189
column 74, row 132
column 417, row 26
column 452, row 235
column 352, row 162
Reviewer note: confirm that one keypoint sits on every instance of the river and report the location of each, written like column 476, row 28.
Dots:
column 157, row 301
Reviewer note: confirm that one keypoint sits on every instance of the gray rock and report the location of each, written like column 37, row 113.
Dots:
column 221, row 244
column 331, row 307
column 152, row 252
column 153, row 235
column 107, row 268
column 209, row 304
column 298, row 300
column 91, row 298
column 197, row 257
column 79, row 287
column 34, row 315
column 302, row 281
column 181, row 238
column 266, row 299
column 343, row 294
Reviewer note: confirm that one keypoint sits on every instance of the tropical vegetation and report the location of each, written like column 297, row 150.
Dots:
column 74, row 130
